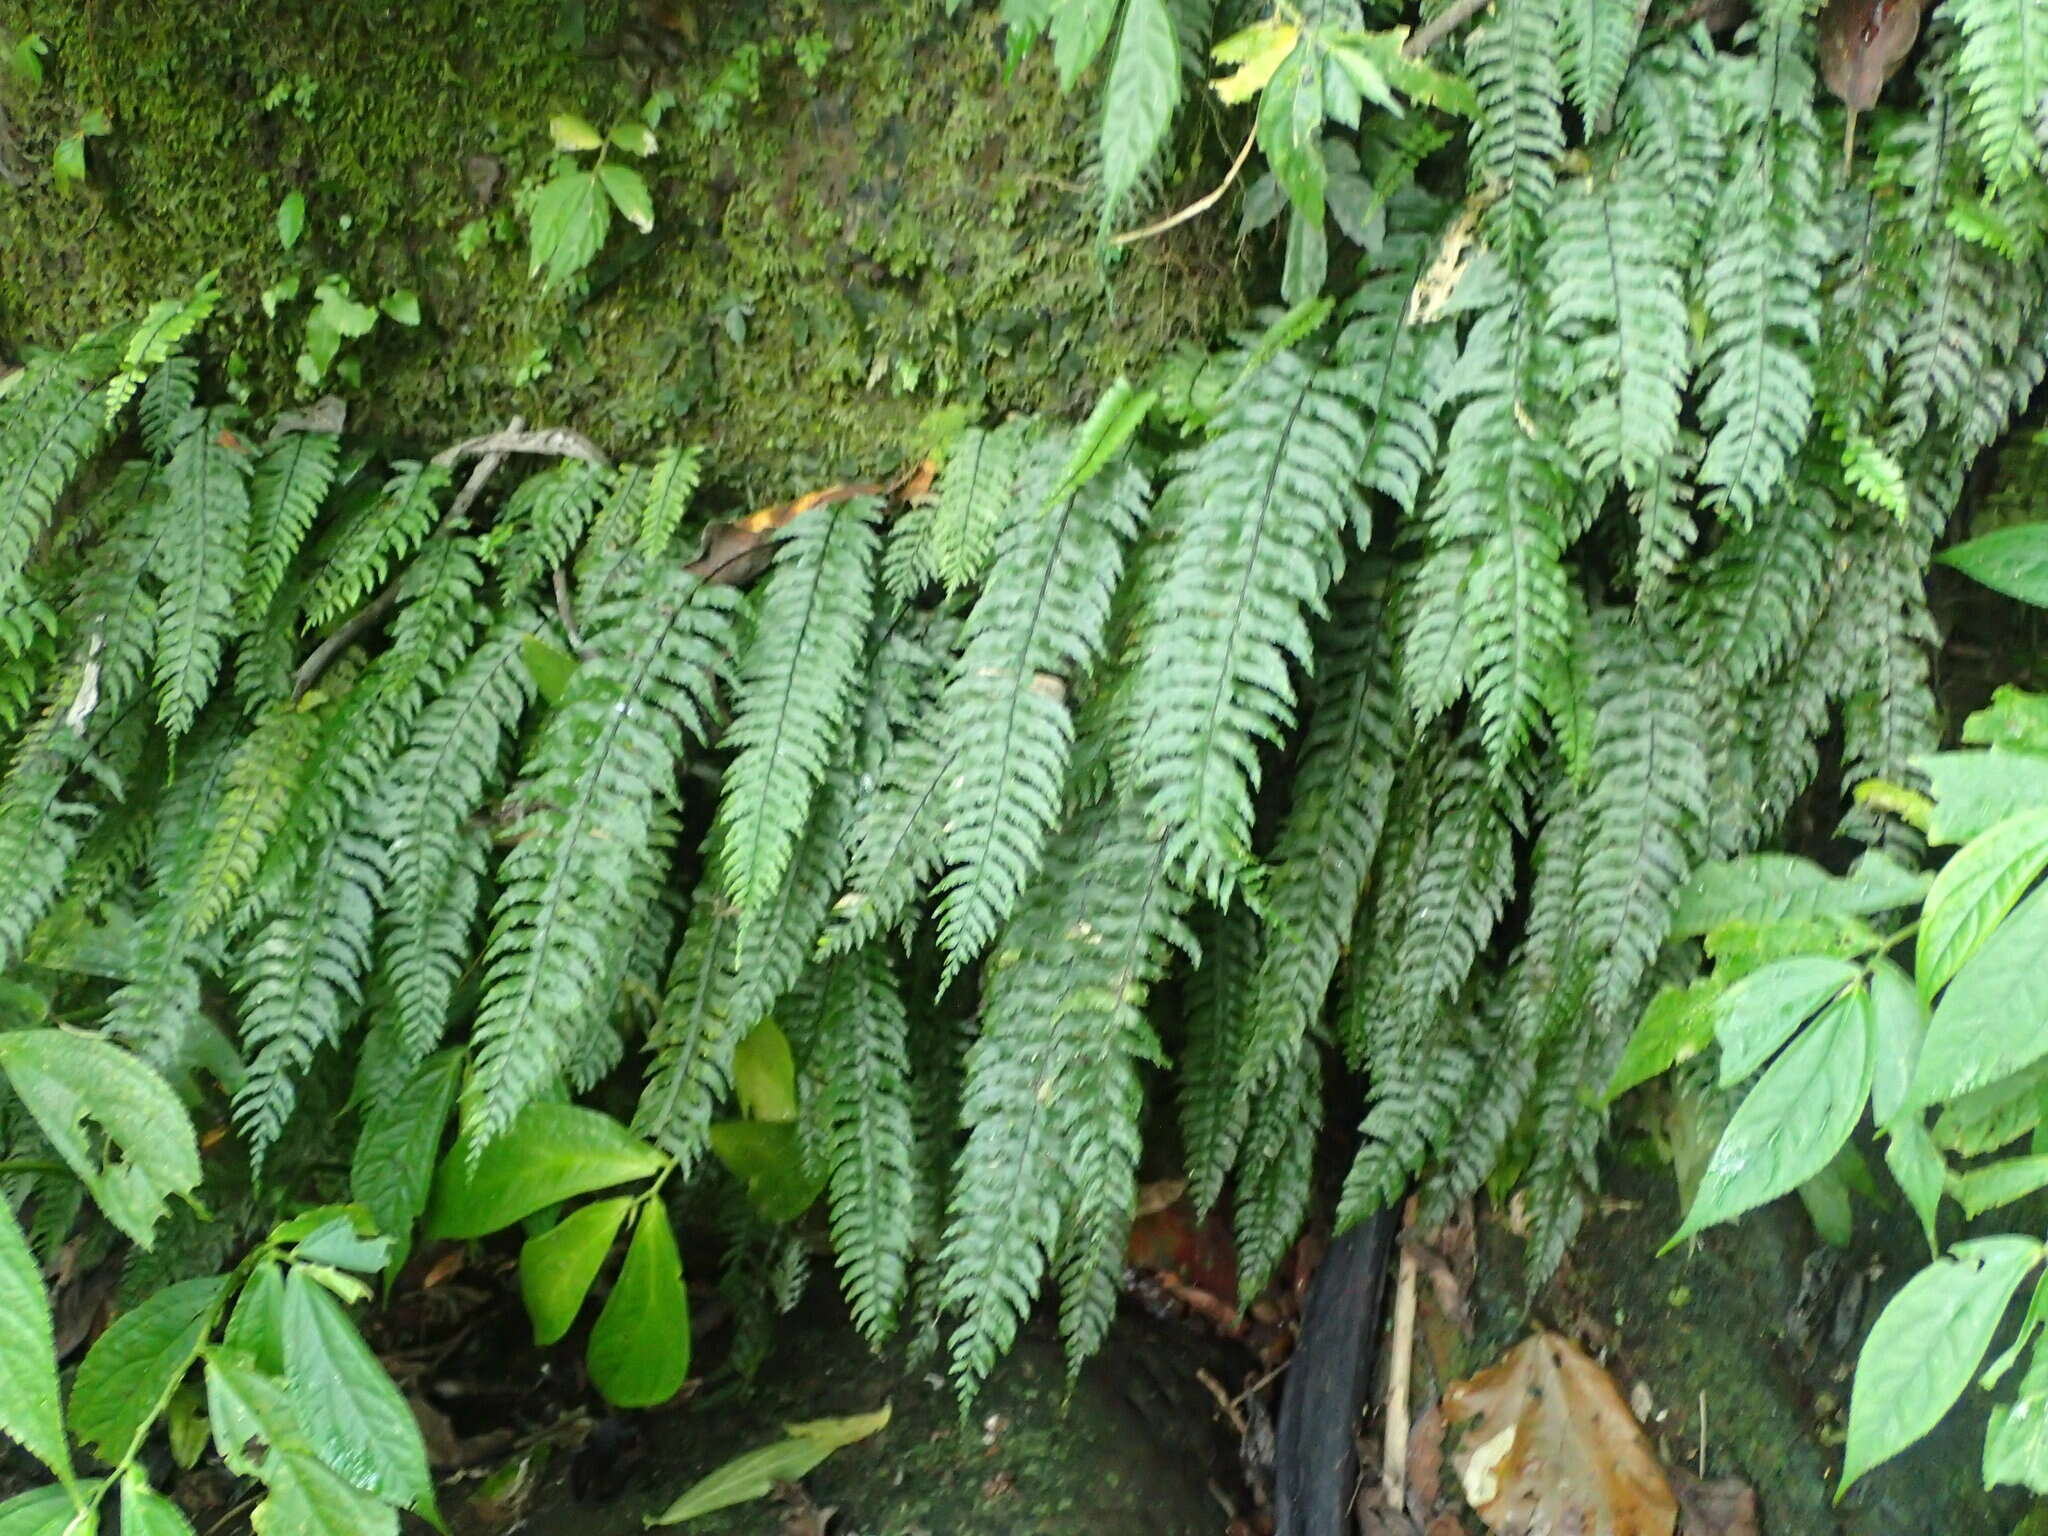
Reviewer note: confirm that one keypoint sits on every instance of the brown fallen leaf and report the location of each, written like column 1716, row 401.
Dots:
column 1724, row 1507
column 1555, row 1451
column 1861, row 45
column 1426, row 1459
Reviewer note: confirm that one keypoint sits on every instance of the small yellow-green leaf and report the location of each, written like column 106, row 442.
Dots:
column 640, row 1346
column 755, row 1474
column 764, row 1074
column 571, row 132
column 549, row 666
column 291, row 219
column 769, row 1159
column 402, row 305
column 635, row 138
column 1257, row 51
column 556, row 1267
column 1677, row 1026
column 628, row 192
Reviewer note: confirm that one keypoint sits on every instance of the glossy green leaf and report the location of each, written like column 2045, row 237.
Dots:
column 1776, row 887
column 2030, row 1325
column 145, row 1512
column 250, row 1411
column 571, row 217
column 46, row 1511
column 1900, row 1021
column 1794, row 1120
column 128, row 1375
column 755, row 1474
column 1763, row 1010
column 402, row 305
column 1993, row 1018
column 291, row 219
column 570, row 132
column 2012, row 560
column 1290, row 132
column 764, row 1074
column 628, row 192
column 31, row 1411
column 392, row 1171
column 348, row 1241
column 1144, row 89
column 1974, row 892
column 640, row 1345
column 551, row 1152
column 308, row 1498
column 1975, row 791
column 353, row 1415
column 768, row 1158
column 1079, row 29
column 1994, row 1116
column 556, row 1267
column 1677, row 1026
column 1926, row 1345
column 66, row 1079
column 634, row 137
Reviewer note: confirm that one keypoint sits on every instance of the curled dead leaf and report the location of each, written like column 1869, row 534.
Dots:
column 1555, row 1450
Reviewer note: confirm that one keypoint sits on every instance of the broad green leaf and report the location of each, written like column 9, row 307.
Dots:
column 764, row 1074
column 256, row 1326
column 1993, row 1018
column 551, row 1152
column 1794, row 1121
column 67, row 164
column 1258, row 52
column 2000, row 1183
column 352, row 1413
column 1826, row 1198
column 1994, row 1116
column 635, row 138
column 1926, row 1345
column 2037, row 1314
column 1307, row 261
column 549, row 666
column 2011, row 560
column 640, row 1345
column 1774, row 887
column 291, row 219
column 571, row 217
column 128, row 1375
column 557, row 1266
column 1760, row 1012
column 46, row 1511
column 185, row 1424
column 1916, row 1164
column 1974, row 891
column 1386, row 54
column 31, row 1411
column 2016, row 1439
column 755, row 1474
column 249, row 1410
column 392, row 1171
column 628, row 192
column 1079, row 29
column 1677, row 1026
column 1144, row 88
column 572, row 133
column 66, row 1079
column 347, row 1241
column 1742, row 946
column 1119, row 413
column 1901, row 1025
column 2014, row 718
column 1290, row 132
column 768, row 1158
column 402, row 305
column 145, row 1512
column 1974, row 791
column 308, row 1498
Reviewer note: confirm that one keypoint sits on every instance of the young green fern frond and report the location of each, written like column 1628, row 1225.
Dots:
column 1513, row 64
column 291, row 481
column 671, row 482
column 543, row 520
column 199, row 557
column 49, row 426
column 1257, row 542
column 795, row 694
column 1034, row 634
column 603, row 758
column 977, row 496
column 2004, row 63
column 860, row 1070
column 356, row 557
column 1597, row 39
column 168, row 402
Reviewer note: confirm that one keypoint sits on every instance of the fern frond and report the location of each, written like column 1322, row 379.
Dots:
column 1276, row 1169
column 168, row 403
column 895, row 842
column 1759, row 591
column 302, row 981
column 292, row 479
column 1597, row 38
column 695, row 1032
column 671, row 482
column 1513, row 64
column 1217, row 1002
column 355, row 558
column 2004, row 63
column 155, row 337
column 1893, row 718
column 1253, row 552
column 860, row 1071
column 795, row 693
column 256, row 794
column 604, row 756
column 199, row 557
column 977, row 496
column 543, row 520
column 50, row 424
column 1401, row 365
column 1032, row 637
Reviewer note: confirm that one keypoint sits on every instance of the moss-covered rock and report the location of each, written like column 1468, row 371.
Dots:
column 848, row 234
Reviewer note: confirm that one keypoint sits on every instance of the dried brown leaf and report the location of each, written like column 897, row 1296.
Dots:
column 1724, row 1507
column 1555, row 1451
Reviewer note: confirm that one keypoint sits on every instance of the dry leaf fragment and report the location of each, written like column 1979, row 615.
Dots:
column 1555, row 1451
column 1724, row 1507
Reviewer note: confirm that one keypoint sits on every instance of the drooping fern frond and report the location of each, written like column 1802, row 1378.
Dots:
column 1216, row 1012
column 356, row 557
column 977, row 493
column 1276, row 1168
column 1033, row 635
column 1256, row 543
column 168, row 403
column 895, row 842
column 603, row 758
column 671, row 482
column 291, row 481
column 256, row 795
column 199, row 557
column 1597, row 39
column 695, row 1032
column 543, row 521
column 1513, row 62
column 794, row 706
column 2004, row 62
column 1402, row 365
column 50, row 424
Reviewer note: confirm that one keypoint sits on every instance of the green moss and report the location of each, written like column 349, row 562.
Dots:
column 908, row 230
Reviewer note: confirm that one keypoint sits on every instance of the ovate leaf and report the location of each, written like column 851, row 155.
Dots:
column 571, row 132
column 31, row 1410
column 628, row 192
column 1993, row 1019
column 755, row 1474
column 571, row 217
column 552, row 1151
column 1973, row 893
column 1144, row 88
column 46, row 1511
column 2011, row 560
column 1794, row 1121
column 1760, row 1012
column 291, row 219
column 131, row 1370
column 1926, row 1344
column 1975, row 791
column 1258, row 51
column 352, row 1412
column 557, row 1266
column 640, row 1347
column 1774, row 887
column 2016, row 1440
column 1677, row 1026
column 1900, row 1020
column 145, row 1512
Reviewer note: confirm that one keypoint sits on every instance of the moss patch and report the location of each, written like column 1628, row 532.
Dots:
column 898, row 232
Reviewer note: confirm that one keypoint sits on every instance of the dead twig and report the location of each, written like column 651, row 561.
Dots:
column 1400, row 1364
column 1197, row 208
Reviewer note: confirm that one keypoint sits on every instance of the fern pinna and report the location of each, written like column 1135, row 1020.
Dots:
column 1333, row 717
